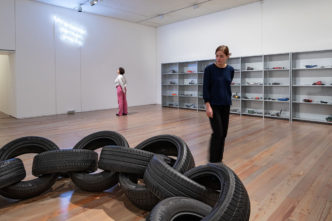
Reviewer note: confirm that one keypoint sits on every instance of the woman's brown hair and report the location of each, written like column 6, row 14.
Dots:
column 224, row 49
column 121, row 70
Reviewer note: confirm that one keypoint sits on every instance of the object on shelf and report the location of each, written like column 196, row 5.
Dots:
column 254, row 83
column 172, row 82
column 323, row 102
column 257, row 98
column 250, row 68
column 276, row 114
column 236, row 69
column 245, row 97
column 251, row 111
column 318, row 83
column 311, row 66
column 329, row 118
column 190, row 105
column 283, row 99
column 307, row 100
column 259, row 112
column 189, row 71
column 189, row 81
column 236, row 96
column 173, row 94
column 192, row 82
column 235, row 110
column 173, row 71
column 275, row 83
column 277, row 68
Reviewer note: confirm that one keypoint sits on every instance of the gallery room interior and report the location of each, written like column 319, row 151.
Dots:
column 177, row 110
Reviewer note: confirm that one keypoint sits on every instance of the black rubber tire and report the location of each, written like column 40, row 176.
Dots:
column 136, row 192
column 164, row 181
column 168, row 145
column 64, row 161
column 95, row 182
column 179, row 209
column 126, row 160
column 233, row 203
column 11, row 171
column 98, row 182
column 25, row 145
column 101, row 139
column 31, row 188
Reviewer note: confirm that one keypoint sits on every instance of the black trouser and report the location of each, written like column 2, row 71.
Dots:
column 219, row 125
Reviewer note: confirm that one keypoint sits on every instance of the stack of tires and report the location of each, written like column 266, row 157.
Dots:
column 158, row 175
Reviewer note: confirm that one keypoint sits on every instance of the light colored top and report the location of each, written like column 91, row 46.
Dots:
column 121, row 80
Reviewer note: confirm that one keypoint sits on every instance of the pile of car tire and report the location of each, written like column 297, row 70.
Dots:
column 159, row 174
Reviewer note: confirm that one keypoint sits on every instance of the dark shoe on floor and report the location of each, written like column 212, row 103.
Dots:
column 118, row 115
column 125, row 114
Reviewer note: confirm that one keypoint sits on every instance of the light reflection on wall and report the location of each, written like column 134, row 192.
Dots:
column 69, row 32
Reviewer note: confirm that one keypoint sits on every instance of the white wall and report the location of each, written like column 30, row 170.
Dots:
column 267, row 27
column 53, row 77
column 7, row 25
column 7, row 96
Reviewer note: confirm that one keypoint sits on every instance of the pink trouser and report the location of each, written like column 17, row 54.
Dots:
column 122, row 101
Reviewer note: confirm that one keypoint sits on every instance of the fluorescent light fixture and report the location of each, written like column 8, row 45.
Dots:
column 70, row 33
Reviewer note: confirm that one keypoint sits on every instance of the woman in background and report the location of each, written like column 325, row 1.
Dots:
column 217, row 96
column 121, row 88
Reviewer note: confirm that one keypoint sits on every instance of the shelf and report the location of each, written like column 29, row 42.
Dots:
column 253, row 85
column 304, row 85
column 252, row 99
column 188, row 96
column 284, row 118
column 293, row 83
column 189, row 84
column 251, row 70
column 276, row 101
column 281, row 85
column 310, row 69
column 312, row 120
column 276, row 69
column 189, row 108
column 253, row 114
column 317, row 103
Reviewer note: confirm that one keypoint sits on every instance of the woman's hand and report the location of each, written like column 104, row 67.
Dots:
column 209, row 111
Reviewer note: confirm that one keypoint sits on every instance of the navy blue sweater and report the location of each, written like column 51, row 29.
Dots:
column 217, row 85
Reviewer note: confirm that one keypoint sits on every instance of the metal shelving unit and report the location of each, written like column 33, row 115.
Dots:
column 266, row 77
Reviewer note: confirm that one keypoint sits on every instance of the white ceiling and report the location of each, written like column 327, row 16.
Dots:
column 151, row 12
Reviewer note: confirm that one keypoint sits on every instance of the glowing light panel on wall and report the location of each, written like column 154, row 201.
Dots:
column 70, row 33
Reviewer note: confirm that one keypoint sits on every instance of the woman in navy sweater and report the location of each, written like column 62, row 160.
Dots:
column 217, row 96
